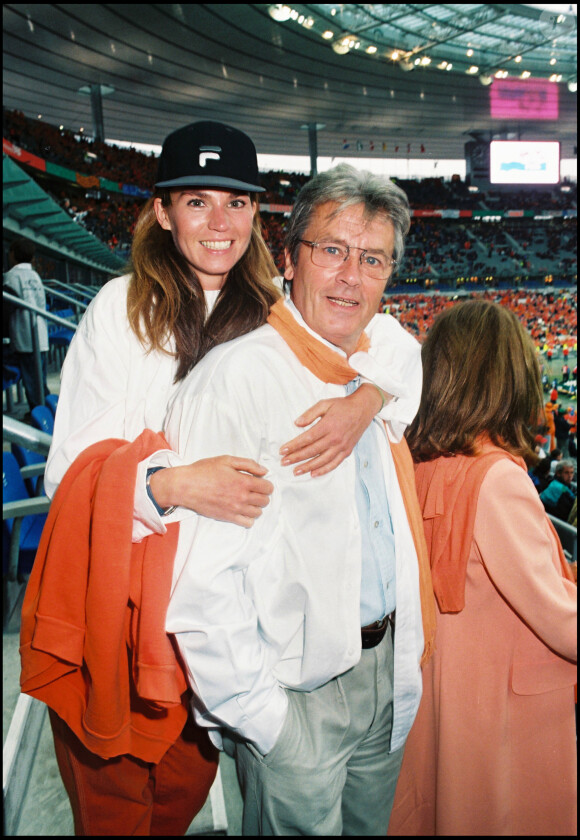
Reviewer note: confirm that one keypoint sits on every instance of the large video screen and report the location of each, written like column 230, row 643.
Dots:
column 523, row 99
column 524, row 162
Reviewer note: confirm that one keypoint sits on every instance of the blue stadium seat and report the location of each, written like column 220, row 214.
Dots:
column 10, row 377
column 52, row 400
column 14, row 490
column 58, row 335
column 28, row 459
column 43, row 419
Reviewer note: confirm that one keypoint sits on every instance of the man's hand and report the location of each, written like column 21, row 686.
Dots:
column 341, row 423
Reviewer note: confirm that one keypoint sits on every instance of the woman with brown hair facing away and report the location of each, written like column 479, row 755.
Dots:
column 493, row 749
column 93, row 642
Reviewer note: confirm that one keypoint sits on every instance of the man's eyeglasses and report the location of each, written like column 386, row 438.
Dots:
column 373, row 264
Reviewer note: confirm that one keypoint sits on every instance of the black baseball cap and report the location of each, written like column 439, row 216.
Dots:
column 209, row 154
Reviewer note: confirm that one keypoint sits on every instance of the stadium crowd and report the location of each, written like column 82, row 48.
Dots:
column 441, row 253
column 438, row 249
column 551, row 319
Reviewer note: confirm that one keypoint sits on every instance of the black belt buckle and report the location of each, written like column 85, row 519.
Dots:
column 373, row 634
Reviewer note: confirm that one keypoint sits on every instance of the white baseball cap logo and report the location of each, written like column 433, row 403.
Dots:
column 208, row 153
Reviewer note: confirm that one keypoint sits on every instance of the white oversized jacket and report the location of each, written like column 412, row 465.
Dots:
column 277, row 606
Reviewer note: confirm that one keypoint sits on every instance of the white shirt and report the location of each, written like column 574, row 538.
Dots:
column 277, row 605
column 111, row 388
column 24, row 282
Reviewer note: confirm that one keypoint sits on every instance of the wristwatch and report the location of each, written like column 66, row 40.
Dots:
column 161, row 511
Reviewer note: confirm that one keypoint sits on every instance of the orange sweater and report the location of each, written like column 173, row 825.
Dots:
column 93, row 641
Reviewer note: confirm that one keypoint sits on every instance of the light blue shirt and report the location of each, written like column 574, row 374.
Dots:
column 377, row 597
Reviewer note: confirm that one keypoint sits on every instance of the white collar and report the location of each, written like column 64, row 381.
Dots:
column 211, row 295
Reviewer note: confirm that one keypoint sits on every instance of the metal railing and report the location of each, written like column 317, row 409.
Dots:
column 34, row 439
column 35, row 313
column 78, row 288
column 568, row 535
column 21, row 744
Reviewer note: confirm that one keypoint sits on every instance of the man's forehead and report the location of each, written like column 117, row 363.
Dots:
column 331, row 214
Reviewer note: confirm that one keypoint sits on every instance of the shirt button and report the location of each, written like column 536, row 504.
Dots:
column 377, row 524
column 366, row 463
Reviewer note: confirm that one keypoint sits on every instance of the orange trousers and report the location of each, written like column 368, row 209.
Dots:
column 125, row 796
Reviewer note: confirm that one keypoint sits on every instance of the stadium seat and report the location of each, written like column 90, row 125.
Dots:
column 21, row 533
column 31, row 468
column 10, row 377
column 60, row 335
column 43, row 419
column 52, row 400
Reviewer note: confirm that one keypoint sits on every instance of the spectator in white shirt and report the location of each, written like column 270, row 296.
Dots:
column 25, row 283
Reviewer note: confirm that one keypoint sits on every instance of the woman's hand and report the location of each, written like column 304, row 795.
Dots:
column 342, row 422
column 226, row 488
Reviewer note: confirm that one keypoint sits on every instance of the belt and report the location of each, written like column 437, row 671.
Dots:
column 374, row 633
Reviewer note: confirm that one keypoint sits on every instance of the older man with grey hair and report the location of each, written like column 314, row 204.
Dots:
column 304, row 635
column 558, row 496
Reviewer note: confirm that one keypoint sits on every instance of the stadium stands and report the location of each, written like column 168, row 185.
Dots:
column 502, row 238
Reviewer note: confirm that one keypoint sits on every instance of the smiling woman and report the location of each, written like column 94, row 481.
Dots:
column 211, row 229
column 197, row 239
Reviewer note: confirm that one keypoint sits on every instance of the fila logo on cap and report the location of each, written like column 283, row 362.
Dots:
column 208, row 153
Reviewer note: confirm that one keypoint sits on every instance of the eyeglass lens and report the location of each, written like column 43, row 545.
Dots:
column 331, row 254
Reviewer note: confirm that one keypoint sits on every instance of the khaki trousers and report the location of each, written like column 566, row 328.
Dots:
column 330, row 772
column 125, row 796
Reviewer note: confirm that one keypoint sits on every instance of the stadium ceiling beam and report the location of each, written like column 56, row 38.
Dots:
column 33, row 216
column 467, row 24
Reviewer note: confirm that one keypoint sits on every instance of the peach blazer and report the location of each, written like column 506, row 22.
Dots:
column 493, row 747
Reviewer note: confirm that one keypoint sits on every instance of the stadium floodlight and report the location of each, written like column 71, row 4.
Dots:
column 280, row 12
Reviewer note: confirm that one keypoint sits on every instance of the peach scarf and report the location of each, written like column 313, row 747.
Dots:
column 448, row 490
column 329, row 366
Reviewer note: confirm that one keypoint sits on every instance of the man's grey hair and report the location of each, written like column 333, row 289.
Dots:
column 564, row 464
column 347, row 186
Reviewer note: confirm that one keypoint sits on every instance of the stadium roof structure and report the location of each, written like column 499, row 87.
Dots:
column 370, row 77
column 28, row 211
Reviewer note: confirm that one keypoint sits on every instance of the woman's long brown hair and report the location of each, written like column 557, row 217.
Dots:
column 480, row 375
column 166, row 300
